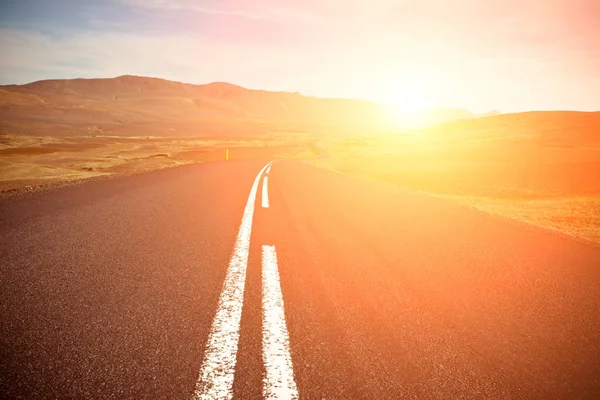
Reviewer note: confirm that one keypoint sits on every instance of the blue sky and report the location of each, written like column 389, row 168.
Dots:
column 512, row 55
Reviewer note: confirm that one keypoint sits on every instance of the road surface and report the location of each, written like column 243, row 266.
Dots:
column 253, row 280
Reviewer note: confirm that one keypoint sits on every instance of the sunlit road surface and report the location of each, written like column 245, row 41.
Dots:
column 205, row 281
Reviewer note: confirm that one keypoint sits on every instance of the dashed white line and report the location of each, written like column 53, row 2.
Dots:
column 216, row 374
column 268, row 169
column 265, row 192
column 278, row 382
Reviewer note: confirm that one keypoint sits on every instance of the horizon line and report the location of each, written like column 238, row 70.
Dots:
column 383, row 103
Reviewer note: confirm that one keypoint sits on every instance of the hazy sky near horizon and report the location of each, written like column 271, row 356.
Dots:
column 511, row 55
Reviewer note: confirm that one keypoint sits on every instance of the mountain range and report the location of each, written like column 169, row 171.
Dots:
column 168, row 107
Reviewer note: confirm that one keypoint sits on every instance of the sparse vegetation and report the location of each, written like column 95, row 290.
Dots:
column 29, row 161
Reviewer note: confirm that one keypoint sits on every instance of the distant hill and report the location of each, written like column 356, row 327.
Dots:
column 544, row 128
column 439, row 115
column 160, row 99
column 492, row 113
column 219, row 98
column 158, row 103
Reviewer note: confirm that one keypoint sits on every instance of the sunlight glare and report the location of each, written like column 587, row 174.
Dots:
column 408, row 106
column 410, row 103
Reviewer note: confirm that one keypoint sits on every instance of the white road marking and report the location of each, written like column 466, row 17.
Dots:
column 265, row 192
column 279, row 380
column 269, row 169
column 216, row 374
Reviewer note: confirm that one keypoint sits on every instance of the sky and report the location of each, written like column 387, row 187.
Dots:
column 509, row 55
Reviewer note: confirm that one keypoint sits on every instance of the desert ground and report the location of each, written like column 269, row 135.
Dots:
column 539, row 167
column 30, row 161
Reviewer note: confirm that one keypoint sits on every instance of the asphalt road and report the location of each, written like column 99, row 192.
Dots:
column 181, row 284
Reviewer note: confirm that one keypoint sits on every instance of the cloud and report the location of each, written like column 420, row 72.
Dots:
column 205, row 7
column 30, row 56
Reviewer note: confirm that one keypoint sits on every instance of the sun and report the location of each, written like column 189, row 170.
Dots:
column 410, row 104
column 408, row 100
column 408, row 109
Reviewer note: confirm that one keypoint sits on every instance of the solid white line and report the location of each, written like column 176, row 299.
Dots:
column 265, row 192
column 216, row 374
column 279, row 380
